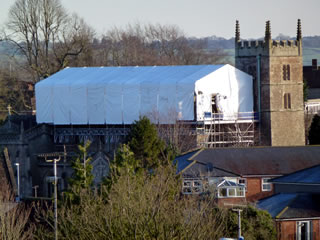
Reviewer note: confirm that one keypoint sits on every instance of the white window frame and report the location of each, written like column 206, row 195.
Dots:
column 265, row 184
column 228, row 191
column 243, row 190
column 309, row 229
column 194, row 186
column 245, row 182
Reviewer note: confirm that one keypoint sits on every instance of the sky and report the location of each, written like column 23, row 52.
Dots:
column 197, row 18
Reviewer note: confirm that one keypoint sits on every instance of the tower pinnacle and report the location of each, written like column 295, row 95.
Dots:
column 237, row 39
column 299, row 34
column 268, row 32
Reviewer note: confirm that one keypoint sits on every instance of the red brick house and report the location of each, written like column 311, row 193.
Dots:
column 238, row 175
column 295, row 206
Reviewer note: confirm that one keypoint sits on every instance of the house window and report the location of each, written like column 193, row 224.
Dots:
column 242, row 181
column 187, row 190
column 286, row 72
column 231, row 192
column 223, row 192
column 287, row 101
column 192, row 186
column 266, row 186
column 303, row 230
column 240, row 192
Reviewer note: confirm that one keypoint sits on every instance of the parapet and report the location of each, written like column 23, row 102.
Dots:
column 272, row 47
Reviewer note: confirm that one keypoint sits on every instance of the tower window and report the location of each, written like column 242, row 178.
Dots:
column 287, row 101
column 286, row 72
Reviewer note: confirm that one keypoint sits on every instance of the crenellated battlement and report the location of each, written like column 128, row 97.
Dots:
column 268, row 46
column 283, row 47
column 263, row 44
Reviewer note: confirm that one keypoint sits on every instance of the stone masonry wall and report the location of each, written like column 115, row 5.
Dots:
column 278, row 126
column 287, row 125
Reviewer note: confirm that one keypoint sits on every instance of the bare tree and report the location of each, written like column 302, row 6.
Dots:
column 140, row 206
column 179, row 135
column 45, row 36
column 154, row 45
column 13, row 92
column 14, row 217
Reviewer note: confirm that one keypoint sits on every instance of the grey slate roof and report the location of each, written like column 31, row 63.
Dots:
column 305, row 176
column 286, row 206
column 254, row 161
column 198, row 169
column 226, row 183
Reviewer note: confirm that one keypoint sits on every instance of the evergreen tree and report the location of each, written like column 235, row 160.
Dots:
column 144, row 142
column 314, row 132
column 144, row 151
column 124, row 159
column 82, row 177
column 123, row 162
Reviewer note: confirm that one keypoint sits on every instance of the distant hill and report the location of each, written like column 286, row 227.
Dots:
column 219, row 42
column 311, row 46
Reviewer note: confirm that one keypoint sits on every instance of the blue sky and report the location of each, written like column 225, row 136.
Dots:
column 198, row 18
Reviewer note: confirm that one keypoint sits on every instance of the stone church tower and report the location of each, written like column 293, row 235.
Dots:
column 276, row 67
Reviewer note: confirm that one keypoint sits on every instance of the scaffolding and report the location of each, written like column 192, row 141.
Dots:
column 217, row 130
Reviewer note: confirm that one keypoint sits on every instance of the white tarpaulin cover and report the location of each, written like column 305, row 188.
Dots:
column 117, row 95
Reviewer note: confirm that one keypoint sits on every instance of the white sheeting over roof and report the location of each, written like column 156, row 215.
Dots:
column 116, row 95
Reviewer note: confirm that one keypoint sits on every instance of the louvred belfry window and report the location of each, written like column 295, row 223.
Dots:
column 286, row 72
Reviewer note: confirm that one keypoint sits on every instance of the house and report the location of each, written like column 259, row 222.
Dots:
column 238, row 175
column 295, row 206
column 311, row 75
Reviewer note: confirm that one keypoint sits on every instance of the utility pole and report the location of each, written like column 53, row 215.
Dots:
column 35, row 190
column 239, row 221
column 55, row 182
column 18, row 182
column 55, row 160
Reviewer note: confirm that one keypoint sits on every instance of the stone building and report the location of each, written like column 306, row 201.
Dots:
column 276, row 67
column 295, row 204
column 241, row 175
column 26, row 141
